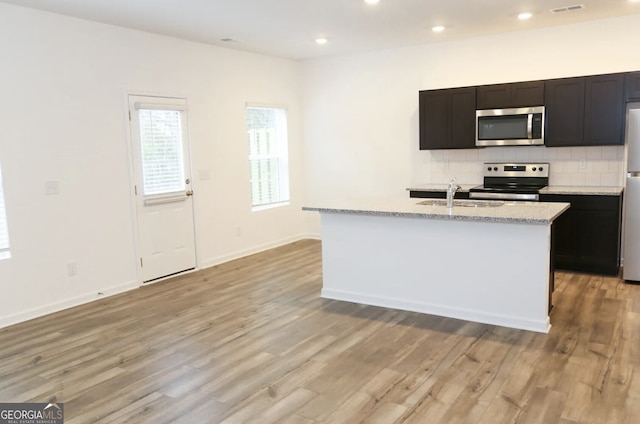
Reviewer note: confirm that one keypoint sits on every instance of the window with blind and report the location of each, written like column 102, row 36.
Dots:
column 161, row 144
column 4, row 229
column 268, row 156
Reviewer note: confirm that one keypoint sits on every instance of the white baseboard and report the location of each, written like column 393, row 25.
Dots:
column 8, row 320
column 253, row 250
column 431, row 309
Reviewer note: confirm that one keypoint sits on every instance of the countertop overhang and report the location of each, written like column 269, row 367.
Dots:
column 541, row 213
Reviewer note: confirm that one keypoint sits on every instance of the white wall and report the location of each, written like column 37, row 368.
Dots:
column 62, row 118
column 361, row 112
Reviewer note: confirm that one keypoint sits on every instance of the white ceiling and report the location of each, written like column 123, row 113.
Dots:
column 288, row 28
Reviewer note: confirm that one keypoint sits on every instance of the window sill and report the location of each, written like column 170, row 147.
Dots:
column 269, row 206
column 5, row 255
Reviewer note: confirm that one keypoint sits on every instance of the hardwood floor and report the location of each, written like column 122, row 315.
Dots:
column 252, row 341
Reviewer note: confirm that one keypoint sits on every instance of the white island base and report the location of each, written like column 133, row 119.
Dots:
column 489, row 272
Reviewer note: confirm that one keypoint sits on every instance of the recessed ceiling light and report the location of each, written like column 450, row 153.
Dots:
column 437, row 28
column 321, row 41
column 372, row 1
column 524, row 16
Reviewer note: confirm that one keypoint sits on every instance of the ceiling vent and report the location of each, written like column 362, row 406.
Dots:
column 568, row 8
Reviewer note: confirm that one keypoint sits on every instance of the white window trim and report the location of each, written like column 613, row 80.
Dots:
column 5, row 253
column 281, row 203
column 270, row 206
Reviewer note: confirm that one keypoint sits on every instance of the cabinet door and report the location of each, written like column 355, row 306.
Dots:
column 599, row 241
column 586, row 237
column 519, row 94
column 493, row 96
column 565, row 241
column 463, row 119
column 632, row 86
column 564, row 108
column 447, row 118
column 435, row 117
column 604, row 110
column 525, row 94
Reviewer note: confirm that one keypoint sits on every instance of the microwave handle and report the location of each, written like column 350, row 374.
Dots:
column 530, row 126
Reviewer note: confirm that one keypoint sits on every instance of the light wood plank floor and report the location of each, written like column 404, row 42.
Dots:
column 252, row 341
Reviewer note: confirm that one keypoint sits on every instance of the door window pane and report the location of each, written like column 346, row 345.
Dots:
column 161, row 144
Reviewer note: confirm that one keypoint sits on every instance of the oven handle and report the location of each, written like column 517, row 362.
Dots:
column 504, row 196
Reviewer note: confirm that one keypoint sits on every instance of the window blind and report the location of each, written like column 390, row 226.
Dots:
column 161, row 143
column 4, row 229
column 268, row 157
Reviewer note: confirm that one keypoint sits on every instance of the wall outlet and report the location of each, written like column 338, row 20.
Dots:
column 238, row 231
column 582, row 164
column 72, row 269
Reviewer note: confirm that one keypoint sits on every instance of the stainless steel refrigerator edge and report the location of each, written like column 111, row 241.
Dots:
column 631, row 235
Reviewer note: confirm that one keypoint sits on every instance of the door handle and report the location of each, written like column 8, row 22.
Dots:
column 189, row 193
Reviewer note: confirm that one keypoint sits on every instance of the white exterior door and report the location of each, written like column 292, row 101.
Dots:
column 162, row 173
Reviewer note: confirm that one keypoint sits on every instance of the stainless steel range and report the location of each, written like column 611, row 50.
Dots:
column 512, row 181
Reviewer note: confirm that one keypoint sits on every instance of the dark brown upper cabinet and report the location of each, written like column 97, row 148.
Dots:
column 632, row 86
column 447, row 118
column 519, row 94
column 585, row 111
column 564, row 109
column 604, row 111
column 580, row 111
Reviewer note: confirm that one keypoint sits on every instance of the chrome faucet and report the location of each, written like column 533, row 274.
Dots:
column 451, row 192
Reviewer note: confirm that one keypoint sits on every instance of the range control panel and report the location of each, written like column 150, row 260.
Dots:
column 501, row 169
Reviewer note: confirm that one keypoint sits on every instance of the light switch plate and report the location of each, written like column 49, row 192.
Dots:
column 51, row 187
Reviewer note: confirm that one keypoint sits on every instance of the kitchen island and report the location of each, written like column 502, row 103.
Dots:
column 480, row 261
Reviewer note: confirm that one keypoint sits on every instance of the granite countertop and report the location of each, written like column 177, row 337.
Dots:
column 542, row 213
column 582, row 190
column 572, row 190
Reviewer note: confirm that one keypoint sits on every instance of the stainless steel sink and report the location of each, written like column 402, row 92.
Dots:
column 464, row 203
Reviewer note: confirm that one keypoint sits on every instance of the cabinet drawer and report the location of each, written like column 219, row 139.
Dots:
column 585, row 202
column 436, row 194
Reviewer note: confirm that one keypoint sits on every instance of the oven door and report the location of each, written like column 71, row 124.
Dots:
column 510, row 127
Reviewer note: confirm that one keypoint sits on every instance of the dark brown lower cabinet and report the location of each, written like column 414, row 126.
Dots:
column 586, row 238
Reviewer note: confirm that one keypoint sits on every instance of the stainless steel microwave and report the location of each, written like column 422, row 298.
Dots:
column 510, row 127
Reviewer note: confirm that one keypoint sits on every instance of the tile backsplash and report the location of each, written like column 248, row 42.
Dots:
column 571, row 166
